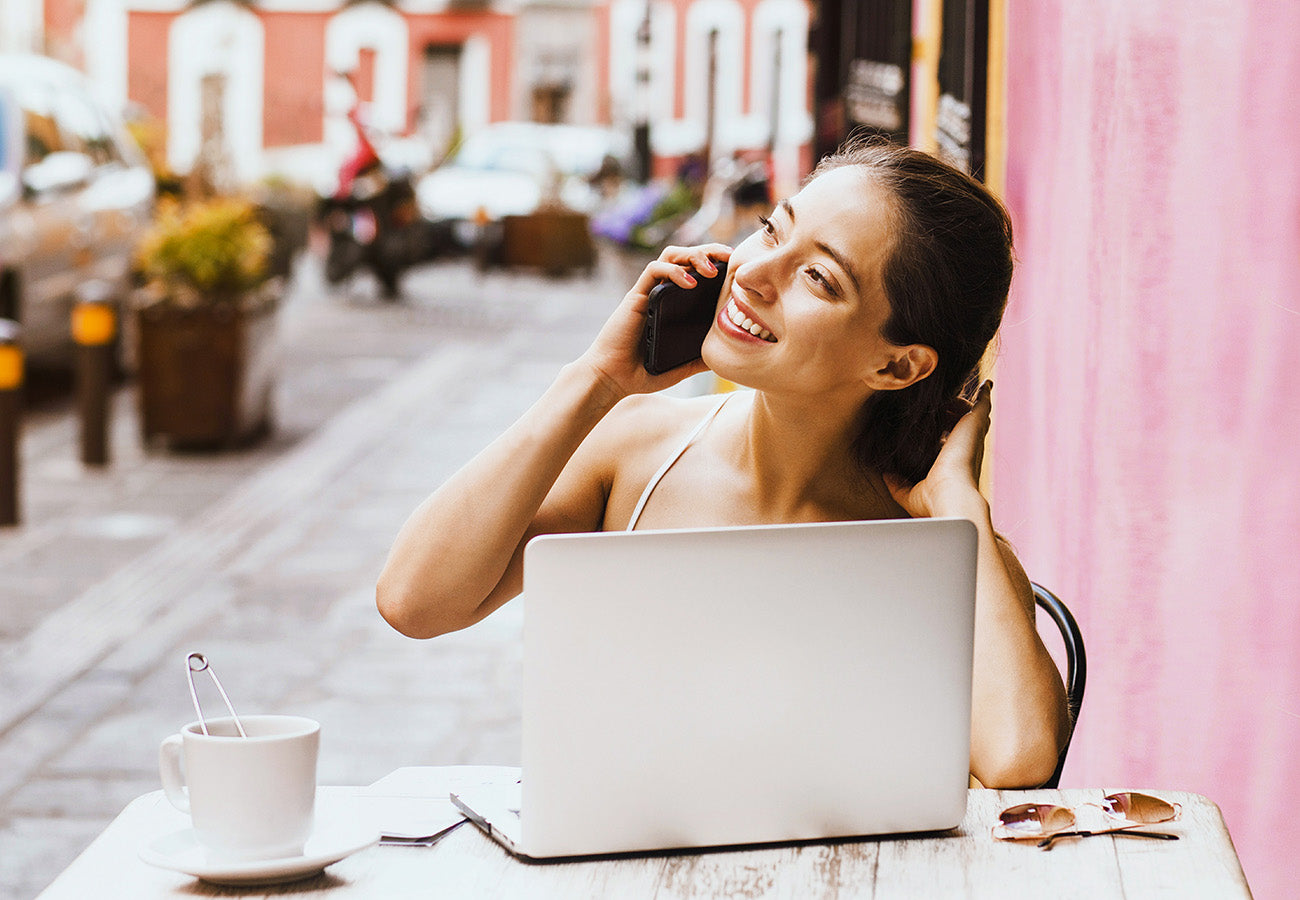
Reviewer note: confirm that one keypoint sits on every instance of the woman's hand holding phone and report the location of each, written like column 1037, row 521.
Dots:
column 616, row 355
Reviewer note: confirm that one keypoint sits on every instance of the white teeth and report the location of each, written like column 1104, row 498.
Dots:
column 748, row 324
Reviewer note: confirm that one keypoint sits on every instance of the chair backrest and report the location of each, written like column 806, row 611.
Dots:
column 1076, row 660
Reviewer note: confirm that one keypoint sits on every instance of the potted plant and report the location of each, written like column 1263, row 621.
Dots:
column 205, row 325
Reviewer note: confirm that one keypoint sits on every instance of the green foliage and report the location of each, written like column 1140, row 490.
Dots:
column 678, row 205
column 212, row 251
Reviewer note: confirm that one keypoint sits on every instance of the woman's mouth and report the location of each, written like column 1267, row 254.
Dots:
column 745, row 323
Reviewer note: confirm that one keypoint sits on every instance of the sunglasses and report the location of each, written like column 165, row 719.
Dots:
column 1047, row 823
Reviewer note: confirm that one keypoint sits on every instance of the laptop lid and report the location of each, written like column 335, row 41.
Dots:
column 721, row 686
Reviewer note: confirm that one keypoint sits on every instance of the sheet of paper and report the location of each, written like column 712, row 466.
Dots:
column 409, row 817
column 413, row 802
column 441, row 781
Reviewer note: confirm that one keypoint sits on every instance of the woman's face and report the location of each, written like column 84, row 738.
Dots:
column 809, row 284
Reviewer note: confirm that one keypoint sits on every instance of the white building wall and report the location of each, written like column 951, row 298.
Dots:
column 106, row 55
column 366, row 26
column 476, row 83
column 627, row 106
column 731, row 131
column 554, row 43
column 216, row 38
column 22, row 26
column 735, row 128
column 782, row 23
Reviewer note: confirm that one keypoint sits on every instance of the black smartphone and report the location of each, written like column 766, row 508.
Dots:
column 678, row 320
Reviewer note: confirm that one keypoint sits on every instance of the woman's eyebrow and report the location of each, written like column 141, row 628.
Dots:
column 840, row 259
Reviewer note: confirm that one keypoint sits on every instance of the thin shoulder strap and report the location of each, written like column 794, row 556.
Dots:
column 668, row 463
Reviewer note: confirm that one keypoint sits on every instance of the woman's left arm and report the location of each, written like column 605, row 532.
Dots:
column 1019, row 717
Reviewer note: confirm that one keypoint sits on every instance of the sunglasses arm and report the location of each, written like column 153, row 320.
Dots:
column 1046, row 843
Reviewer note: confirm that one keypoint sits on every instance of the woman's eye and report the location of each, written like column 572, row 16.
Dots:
column 818, row 277
column 768, row 228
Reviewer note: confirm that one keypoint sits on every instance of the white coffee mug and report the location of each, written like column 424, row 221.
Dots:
column 251, row 797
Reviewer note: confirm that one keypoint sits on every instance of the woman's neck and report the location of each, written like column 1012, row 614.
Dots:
column 799, row 456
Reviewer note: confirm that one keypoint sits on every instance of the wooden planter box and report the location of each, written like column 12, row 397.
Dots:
column 552, row 240
column 205, row 374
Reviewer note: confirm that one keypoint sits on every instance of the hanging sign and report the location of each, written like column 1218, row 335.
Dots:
column 873, row 94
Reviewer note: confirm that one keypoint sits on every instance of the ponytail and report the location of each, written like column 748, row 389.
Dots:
column 946, row 277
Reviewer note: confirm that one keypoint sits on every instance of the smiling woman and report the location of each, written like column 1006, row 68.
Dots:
column 858, row 315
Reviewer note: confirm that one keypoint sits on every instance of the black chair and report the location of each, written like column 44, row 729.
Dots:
column 1077, row 665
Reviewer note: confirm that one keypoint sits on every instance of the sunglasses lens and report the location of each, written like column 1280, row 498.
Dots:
column 1036, row 818
column 1138, row 808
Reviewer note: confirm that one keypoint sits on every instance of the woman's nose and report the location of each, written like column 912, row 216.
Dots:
column 756, row 276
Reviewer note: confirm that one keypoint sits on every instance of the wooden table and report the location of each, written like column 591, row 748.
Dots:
column 966, row 862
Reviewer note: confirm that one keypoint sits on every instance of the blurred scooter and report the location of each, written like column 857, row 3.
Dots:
column 372, row 219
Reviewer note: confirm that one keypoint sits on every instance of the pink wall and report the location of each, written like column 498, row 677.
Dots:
column 1147, row 459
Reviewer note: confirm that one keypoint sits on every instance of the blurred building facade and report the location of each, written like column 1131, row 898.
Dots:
column 718, row 77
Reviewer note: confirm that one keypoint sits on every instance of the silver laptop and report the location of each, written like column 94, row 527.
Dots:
column 726, row 686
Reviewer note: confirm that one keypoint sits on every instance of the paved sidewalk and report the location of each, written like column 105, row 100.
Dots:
column 266, row 559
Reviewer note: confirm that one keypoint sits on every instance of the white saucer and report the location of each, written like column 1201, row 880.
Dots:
column 180, row 851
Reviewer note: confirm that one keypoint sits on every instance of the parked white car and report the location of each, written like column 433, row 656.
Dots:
column 76, row 195
column 510, row 168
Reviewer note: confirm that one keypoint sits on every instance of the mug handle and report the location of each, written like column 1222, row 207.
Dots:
column 169, row 768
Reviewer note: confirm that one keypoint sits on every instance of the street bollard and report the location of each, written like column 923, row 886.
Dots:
column 11, row 411
column 94, row 327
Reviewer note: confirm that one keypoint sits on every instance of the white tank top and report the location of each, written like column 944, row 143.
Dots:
column 677, row 454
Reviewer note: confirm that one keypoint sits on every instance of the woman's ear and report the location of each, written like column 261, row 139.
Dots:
column 905, row 366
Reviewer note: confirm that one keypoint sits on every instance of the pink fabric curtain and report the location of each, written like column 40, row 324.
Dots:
column 1147, row 406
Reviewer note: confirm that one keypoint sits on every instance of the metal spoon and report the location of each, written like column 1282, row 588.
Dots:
column 197, row 662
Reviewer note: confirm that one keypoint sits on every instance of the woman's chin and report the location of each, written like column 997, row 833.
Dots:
column 716, row 357
column 725, row 365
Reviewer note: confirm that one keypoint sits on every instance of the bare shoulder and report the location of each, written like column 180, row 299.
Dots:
column 641, row 421
column 635, row 439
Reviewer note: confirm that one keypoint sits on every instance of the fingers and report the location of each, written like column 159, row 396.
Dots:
column 660, row 270
column 979, row 412
column 966, row 440
column 678, row 265
column 983, row 406
column 701, row 259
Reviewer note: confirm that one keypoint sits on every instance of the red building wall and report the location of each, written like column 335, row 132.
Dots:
column 147, row 66
column 294, row 82
column 456, row 28
column 604, row 112
column 62, row 22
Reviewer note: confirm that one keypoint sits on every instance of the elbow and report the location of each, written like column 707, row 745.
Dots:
column 1020, row 761
column 405, row 612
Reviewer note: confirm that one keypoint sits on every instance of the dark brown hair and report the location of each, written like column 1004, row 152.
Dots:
column 946, row 278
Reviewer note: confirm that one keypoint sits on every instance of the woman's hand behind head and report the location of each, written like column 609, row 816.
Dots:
column 951, row 488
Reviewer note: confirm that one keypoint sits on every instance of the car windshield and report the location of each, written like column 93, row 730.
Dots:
column 501, row 154
column 539, row 150
column 580, row 151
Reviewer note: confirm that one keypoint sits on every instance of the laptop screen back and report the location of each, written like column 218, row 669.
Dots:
column 742, row 685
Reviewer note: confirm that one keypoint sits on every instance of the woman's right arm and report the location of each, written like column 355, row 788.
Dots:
column 454, row 561
column 460, row 554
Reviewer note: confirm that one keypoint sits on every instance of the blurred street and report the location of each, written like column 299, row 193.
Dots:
column 265, row 559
